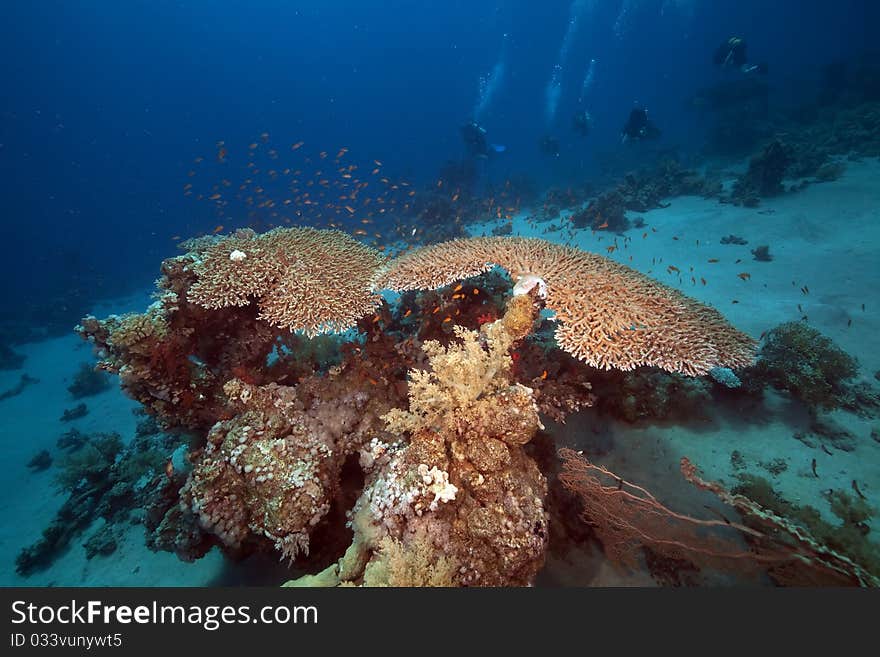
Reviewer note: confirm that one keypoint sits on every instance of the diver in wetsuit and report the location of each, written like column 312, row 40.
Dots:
column 474, row 137
column 732, row 54
column 639, row 127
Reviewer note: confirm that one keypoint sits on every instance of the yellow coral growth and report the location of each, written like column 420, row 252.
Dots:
column 460, row 375
column 316, row 281
column 610, row 316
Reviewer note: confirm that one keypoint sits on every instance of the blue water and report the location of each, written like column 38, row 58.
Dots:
column 106, row 103
column 109, row 109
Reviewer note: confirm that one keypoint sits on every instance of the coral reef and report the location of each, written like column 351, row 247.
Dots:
column 272, row 471
column 764, row 176
column 460, row 503
column 642, row 191
column 42, row 460
column 762, row 253
column 630, row 320
column 75, row 413
column 798, row 359
column 103, row 479
column 87, row 382
column 650, row 395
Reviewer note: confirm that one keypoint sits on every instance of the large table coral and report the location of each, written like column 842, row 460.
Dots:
column 610, row 316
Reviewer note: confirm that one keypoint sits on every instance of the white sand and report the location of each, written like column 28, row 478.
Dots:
column 825, row 237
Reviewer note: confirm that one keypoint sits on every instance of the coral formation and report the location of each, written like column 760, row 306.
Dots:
column 798, row 359
column 272, row 471
column 103, row 479
column 608, row 315
column 87, row 382
column 460, row 502
column 764, row 177
column 305, row 279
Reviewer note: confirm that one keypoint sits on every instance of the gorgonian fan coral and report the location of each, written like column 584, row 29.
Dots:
column 316, row 281
column 609, row 316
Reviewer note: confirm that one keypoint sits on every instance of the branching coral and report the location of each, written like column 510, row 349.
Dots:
column 305, row 279
column 609, row 315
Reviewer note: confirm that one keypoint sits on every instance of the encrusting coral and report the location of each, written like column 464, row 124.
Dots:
column 316, row 281
column 609, row 316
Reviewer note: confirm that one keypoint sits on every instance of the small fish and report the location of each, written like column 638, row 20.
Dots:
column 702, row 280
column 644, row 235
column 448, row 319
column 408, row 312
column 169, row 469
column 543, row 375
column 297, row 145
column 672, row 268
column 744, row 275
column 713, row 260
column 458, row 287
column 436, row 310
column 734, row 301
column 611, row 249
column 849, row 323
column 217, row 229
column 476, row 291
column 603, row 225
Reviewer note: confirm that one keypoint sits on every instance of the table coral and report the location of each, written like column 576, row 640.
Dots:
column 609, row 316
column 304, row 279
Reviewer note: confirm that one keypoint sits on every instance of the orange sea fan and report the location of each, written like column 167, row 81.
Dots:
column 317, row 281
column 610, row 316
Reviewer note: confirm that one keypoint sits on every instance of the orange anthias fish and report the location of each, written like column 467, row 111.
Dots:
column 745, row 276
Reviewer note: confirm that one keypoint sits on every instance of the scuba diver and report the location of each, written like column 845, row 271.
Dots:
column 474, row 137
column 549, row 146
column 732, row 54
column 582, row 122
column 638, row 127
